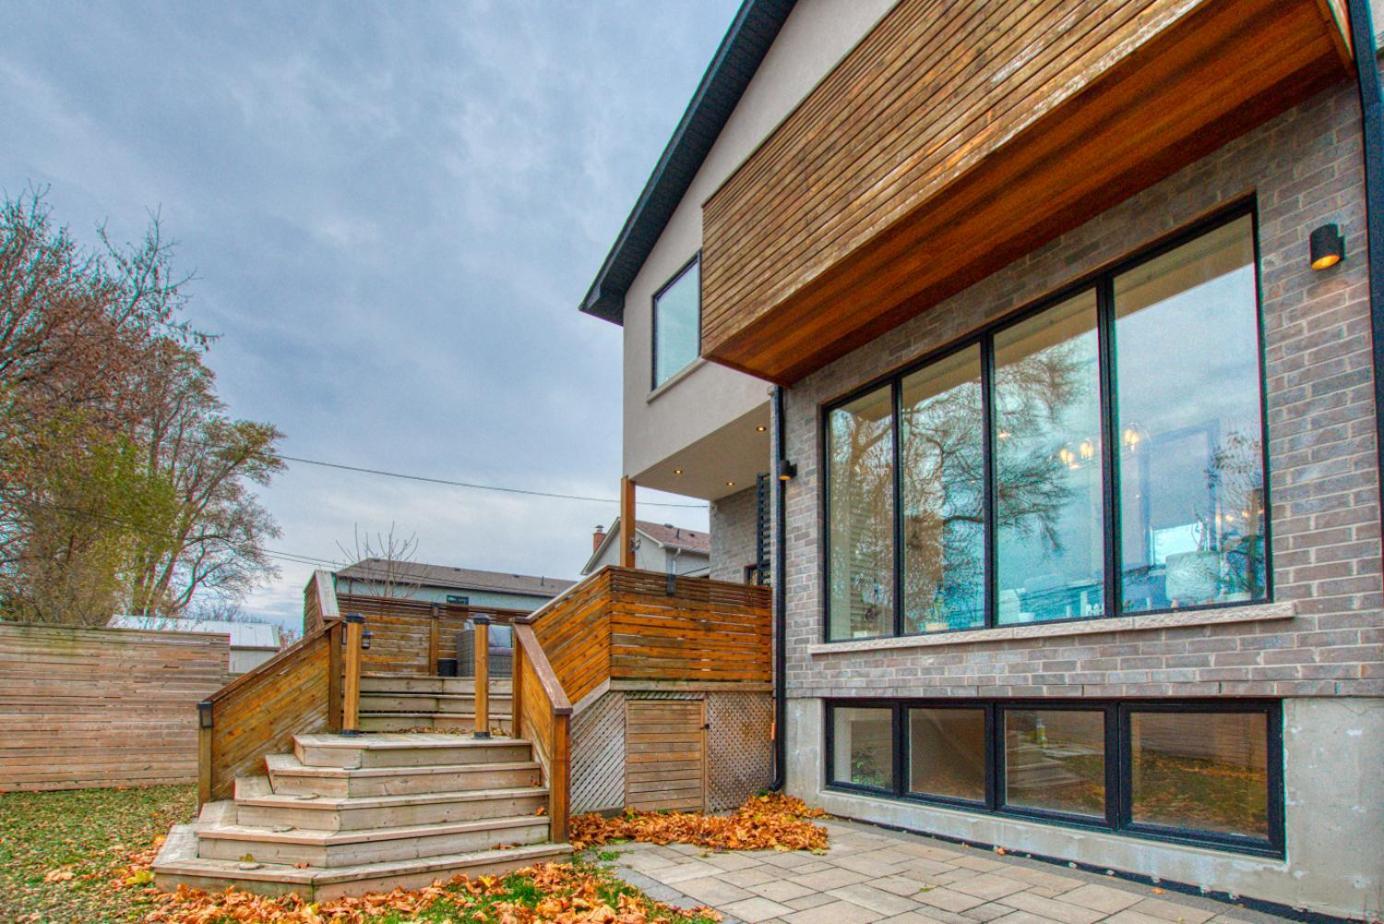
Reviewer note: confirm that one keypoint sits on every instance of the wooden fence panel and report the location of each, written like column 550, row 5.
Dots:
column 92, row 707
column 401, row 630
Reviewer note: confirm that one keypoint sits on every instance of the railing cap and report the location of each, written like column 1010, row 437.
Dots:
column 354, row 617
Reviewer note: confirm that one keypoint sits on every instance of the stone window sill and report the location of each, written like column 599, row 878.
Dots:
column 1257, row 612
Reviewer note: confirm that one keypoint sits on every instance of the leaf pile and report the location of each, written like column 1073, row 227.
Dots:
column 767, row 822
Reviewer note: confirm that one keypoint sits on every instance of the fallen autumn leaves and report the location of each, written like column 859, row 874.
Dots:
column 768, row 822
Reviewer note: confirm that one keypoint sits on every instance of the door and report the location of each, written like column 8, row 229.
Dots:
column 665, row 754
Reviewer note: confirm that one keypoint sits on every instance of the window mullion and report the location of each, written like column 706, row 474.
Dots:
column 1110, row 450
column 897, row 398
column 987, row 430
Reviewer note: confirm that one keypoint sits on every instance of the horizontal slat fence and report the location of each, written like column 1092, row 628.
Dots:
column 93, row 707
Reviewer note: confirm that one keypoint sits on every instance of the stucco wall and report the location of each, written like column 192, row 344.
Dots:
column 816, row 35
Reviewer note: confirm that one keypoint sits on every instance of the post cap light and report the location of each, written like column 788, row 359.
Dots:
column 1327, row 247
column 787, row 471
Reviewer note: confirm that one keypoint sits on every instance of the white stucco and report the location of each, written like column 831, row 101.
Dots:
column 708, row 397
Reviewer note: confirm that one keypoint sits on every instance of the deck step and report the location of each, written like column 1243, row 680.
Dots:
column 290, row 776
column 256, row 804
column 178, row 864
column 390, row 701
column 331, row 849
column 406, row 750
column 419, row 683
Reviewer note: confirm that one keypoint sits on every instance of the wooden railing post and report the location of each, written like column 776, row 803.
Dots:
column 434, row 639
column 481, row 657
column 516, row 688
column 335, row 638
column 558, row 785
column 350, row 707
column 204, row 739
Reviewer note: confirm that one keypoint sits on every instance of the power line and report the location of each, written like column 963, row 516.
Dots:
column 428, row 479
column 479, row 487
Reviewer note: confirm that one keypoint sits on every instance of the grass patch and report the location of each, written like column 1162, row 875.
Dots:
column 60, row 850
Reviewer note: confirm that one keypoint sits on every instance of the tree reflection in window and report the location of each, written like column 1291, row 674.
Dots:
column 861, row 516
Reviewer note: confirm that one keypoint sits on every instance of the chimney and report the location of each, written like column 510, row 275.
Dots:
column 597, row 537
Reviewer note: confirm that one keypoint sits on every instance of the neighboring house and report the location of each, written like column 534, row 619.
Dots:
column 657, row 547
column 445, row 584
column 1078, row 415
column 252, row 643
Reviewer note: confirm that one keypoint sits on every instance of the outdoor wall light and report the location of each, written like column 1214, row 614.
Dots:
column 787, row 471
column 365, row 638
column 1327, row 247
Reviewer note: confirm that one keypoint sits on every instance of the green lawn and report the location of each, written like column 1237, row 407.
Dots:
column 60, row 850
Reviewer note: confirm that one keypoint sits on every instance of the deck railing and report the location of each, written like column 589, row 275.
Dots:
column 542, row 713
column 295, row 692
column 410, row 636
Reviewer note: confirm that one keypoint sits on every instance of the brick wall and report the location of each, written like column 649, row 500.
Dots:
column 733, row 535
column 1305, row 168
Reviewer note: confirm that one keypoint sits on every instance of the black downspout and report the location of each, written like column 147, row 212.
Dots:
column 1372, row 130
column 780, row 594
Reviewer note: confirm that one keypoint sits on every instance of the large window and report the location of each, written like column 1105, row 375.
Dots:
column 1197, row 772
column 677, row 323
column 1100, row 455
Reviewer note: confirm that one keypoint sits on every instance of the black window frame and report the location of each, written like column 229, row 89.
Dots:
column 1102, row 282
column 1118, row 763
column 673, row 280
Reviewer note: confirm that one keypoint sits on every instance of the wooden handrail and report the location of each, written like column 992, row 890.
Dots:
column 297, row 690
column 542, row 713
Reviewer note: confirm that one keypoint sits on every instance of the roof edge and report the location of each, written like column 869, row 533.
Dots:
column 737, row 58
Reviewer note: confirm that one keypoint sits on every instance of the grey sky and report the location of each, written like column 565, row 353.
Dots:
column 392, row 211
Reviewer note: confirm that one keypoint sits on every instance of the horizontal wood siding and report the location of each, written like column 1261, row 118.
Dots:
column 86, row 707
column 957, row 136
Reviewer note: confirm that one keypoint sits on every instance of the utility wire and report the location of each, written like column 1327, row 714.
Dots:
column 479, row 487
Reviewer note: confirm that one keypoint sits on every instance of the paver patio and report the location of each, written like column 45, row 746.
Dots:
column 871, row 875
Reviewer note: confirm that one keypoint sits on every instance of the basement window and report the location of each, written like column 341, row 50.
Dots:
column 1206, row 773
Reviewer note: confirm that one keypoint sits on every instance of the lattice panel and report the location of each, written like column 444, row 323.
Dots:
column 598, row 755
column 739, row 747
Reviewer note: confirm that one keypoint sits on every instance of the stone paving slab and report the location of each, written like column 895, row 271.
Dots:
column 872, row 876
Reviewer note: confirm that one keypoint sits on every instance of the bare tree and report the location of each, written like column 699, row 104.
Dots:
column 389, row 561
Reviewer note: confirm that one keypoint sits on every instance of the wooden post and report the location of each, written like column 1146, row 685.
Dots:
column 481, row 656
column 350, row 706
column 558, row 785
column 626, row 522
column 204, row 732
column 434, row 640
column 516, row 689
column 335, row 660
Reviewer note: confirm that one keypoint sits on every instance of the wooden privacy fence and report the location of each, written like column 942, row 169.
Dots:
column 91, row 707
column 622, row 624
column 297, row 691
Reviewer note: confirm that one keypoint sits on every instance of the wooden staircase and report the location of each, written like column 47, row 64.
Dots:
column 400, row 702
column 345, row 815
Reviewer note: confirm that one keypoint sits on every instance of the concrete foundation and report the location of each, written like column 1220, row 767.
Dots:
column 1334, row 815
